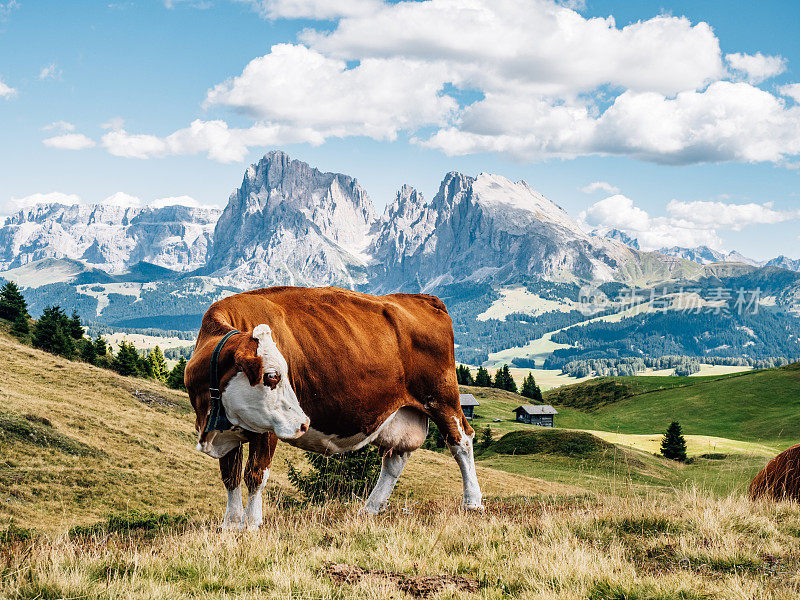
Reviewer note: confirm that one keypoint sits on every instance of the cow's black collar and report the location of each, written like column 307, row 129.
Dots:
column 217, row 419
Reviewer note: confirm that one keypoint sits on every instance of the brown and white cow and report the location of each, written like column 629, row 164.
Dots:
column 328, row 370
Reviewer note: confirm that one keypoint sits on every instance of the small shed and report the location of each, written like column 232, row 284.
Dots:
column 540, row 414
column 468, row 404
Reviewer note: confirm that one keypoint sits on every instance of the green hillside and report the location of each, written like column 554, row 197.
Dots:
column 756, row 406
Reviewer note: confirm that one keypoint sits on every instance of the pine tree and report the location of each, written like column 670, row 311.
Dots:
column 75, row 327
column 12, row 302
column 157, row 365
column 100, row 346
column 20, row 326
column 340, row 476
column 673, row 444
column 126, row 362
column 504, row 381
column 464, row 376
column 88, row 352
column 51, row 332
column 482, row 378
column 486, row 438
column 175, row 378
column 530, row 389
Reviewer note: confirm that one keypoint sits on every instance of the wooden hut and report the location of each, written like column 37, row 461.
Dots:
column 468, row 404
column 536, row 414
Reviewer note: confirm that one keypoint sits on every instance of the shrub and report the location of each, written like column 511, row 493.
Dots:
column 434, row 440
column 337, row 477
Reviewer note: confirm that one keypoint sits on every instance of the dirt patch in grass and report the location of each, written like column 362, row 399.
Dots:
column 39, row 431
column 418, row 586
column 156, row 400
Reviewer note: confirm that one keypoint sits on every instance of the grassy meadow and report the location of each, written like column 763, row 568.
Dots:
column 102, row 495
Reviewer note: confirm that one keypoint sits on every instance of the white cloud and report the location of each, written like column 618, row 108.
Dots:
column 721, row 215
column 546, row 82
column 596, row 186
column 175, row 201
column 312, row 9
column 726, row 122
column 791, row 90
column 16, row 204
column 114, row 124
column 687, row 224
column 302, row 88
column 757, row 67
column 49, row 72
column 62, row 126
column 122, row 199
column 531, row 46
column 7, row 91
column 214, row 138
column 616, row 212
column 69, row 141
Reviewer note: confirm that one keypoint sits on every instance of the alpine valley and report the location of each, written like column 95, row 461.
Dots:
column 515, row 270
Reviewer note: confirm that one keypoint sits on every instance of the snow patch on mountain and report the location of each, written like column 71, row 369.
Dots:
column 109, row 237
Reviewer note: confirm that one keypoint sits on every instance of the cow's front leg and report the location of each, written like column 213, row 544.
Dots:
column 462, row 452
column 391, row 469
column 230, row 467
column 256, row 473
column 459, row 435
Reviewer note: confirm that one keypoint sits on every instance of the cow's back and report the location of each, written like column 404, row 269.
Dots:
column 353, row 358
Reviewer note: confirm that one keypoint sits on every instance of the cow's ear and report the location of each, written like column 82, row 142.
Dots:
column 249, row 362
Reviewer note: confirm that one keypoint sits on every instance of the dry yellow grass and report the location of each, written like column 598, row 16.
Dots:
column 599, row 547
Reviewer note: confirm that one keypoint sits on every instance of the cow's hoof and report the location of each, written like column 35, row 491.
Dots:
column 233, row 525
column 473, row 507
column 254, row 525
column 371, row 511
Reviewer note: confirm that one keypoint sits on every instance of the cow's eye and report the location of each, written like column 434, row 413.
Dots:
column 271, row 378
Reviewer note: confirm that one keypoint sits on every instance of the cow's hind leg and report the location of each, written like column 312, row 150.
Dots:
column 230, row 467
column 458, row 434
column 256, row 473
column 391, row 469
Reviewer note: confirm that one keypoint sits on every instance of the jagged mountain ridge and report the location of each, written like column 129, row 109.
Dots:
column 488, row 228
column 289, row 223
column 109, row 237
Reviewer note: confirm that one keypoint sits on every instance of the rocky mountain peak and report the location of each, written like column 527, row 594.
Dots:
column 291, row 223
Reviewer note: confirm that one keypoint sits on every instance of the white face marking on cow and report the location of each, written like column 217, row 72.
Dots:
column 260, row 407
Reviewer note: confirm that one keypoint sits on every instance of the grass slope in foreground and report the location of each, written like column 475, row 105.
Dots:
column 80, row 442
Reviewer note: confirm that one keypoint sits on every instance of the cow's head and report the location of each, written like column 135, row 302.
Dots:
column 259, row 397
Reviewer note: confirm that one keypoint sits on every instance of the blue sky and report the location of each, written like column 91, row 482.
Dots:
column 695, row 129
